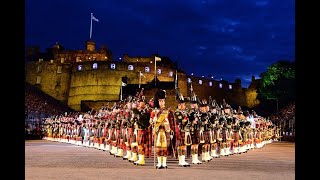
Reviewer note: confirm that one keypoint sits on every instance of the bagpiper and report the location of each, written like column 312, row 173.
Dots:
column 183, row 135
column 193, row 116
column 143, row 117
column 161, row 119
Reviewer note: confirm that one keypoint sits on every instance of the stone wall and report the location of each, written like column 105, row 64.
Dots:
column 72, row 86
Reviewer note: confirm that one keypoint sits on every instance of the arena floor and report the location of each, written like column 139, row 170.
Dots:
column 54, row 160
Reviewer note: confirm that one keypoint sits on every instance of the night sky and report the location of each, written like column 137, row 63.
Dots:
column 227, row 39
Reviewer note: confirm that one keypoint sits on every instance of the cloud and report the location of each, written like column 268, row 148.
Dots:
column 262, row 3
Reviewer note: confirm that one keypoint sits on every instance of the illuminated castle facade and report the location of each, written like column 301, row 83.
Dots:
column 93, row 77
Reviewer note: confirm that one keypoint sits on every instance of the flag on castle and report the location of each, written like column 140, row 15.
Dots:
column 94, row 18
column 157, row 58
column 142, row 74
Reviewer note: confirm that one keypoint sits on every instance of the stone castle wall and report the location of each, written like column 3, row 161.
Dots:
column 52, row 83
column 61, row 78
column 73, row 86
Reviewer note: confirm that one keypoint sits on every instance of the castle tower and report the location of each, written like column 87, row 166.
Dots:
column 90, row 45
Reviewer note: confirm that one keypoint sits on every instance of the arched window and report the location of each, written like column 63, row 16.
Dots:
column 130, row 67
column 94, row 65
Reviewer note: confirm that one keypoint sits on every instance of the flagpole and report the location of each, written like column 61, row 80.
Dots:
column 176, row 81
column 121, row 92
column 155, row 72
column 91, row 25
column 139, row 79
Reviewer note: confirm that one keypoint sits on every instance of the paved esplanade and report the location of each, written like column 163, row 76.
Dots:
column 55, row 160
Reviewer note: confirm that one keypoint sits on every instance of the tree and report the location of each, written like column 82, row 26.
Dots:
column 278, row 83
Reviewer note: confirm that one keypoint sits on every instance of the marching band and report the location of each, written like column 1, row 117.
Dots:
column 134, row 128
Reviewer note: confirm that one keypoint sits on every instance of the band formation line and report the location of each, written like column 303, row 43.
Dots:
column 135, row 128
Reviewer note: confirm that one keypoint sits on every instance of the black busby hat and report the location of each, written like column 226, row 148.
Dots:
column 203, row 103
column 241, row 124
column 179, row 96
column 227, row 106
column 194, row 98
column 161, row 94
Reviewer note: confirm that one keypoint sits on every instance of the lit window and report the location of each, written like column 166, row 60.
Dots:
column 62, row 60
column 159, row 71
column 59, row 70
column 94, row 65
column 189, row 80
column 113, row 66
column 130, row 67
column 230, row 86
column 200, row 81
column 210, row 83
column 38, row 80
column 220, row 85
column 79, row 67
column 146, row 69
column 78, row 59
column 170, row 73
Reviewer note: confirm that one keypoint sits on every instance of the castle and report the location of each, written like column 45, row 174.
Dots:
column 91, row 78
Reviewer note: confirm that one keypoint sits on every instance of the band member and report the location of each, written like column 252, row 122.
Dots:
column 129, row 128
column 128, row 134
column 78, row 133
column 98, row 134
column 229, row 137
column 183, row 136
column 114, row 125
column 215, row 129
column 243, row 137
column 249, row 133
column 195, row 129
column 237, row 139
column 143, row 117
column 122, row 127
column 133, row 140
column 205, row 124
column 161, row 119
column 224, row 133
column 108, row 141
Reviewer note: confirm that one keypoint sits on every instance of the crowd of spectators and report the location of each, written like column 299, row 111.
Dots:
column 39, row 105
column 285, row 118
